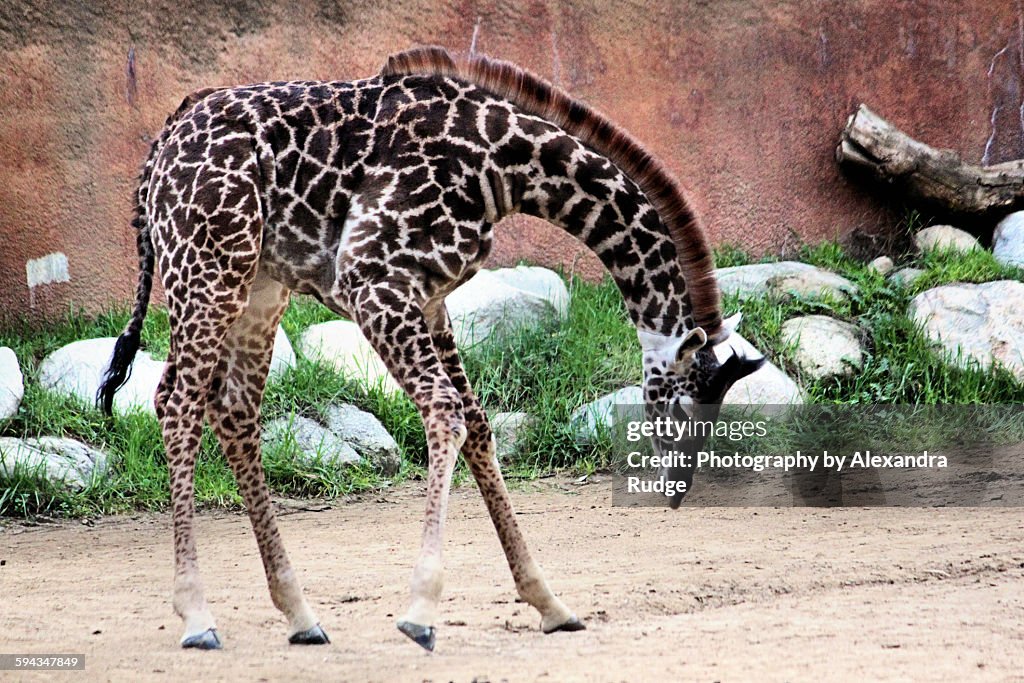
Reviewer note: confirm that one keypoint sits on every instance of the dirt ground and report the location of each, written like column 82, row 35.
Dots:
column 721, row 594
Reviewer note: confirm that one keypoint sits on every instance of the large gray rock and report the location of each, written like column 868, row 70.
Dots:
column 283, row 356
column 12, row 384
column 768, row 386
column 495, row 301
column 510, row 430
column 982, row 322
column 823, row 346
column 945, row 237
column 308, row 442
column 602, row 414
column 340, row 344
column 783, row 277
column 1008, row 240
column 76, row 370
column 366, row 435
column 61, row 461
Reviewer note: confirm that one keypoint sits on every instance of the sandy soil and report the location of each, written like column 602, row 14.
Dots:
column 711, row 595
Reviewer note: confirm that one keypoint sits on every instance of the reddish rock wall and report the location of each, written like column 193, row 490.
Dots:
column 743, row 98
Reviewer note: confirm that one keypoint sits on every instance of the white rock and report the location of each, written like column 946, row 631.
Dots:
column 365, row 433
column 61, row 461
column 76, row 370
column 768, row 386
column 982, row 322
column 493, row 301
column 783, row 277
column 1008, row 240
column 341, row 345
column 906, row 276
column 945, row 237
column 510, row 431
column 12, row 384
column 824, row 346
column 604, row 413
column 307, row 442
column 283, row 357
column 882, row 265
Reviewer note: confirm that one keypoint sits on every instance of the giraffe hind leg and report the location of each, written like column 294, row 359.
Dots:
column 233, row 411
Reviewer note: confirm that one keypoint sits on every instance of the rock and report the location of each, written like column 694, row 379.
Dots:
column 510, row 431
column 1008, row 240
column 12, row 384
column 945, row 237
column 59, row 460
column 341, row 345
column 905, row 277
column 824, row 346
column 982, row 322
column 76, row 370
column 307, row 442
column 882, row 265
column 283, row 356
column 366, row 435
column 783, row 277
column 769, row 386
column 602, row 414
column 497, row 301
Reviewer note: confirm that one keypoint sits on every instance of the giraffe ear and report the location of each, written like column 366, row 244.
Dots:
column 729, row 326
column 693, row 341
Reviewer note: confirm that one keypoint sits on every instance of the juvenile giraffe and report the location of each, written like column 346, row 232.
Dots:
column 378, row 198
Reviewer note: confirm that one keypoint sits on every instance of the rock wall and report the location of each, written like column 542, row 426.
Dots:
column 743, row 98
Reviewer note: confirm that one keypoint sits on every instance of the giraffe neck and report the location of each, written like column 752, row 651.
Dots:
column 589, row 197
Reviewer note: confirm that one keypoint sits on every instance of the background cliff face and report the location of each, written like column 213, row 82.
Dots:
column 744, row 100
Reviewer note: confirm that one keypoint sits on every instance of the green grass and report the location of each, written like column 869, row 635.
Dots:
column 547, row 371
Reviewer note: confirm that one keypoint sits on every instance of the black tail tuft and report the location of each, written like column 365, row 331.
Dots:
column 120, row 369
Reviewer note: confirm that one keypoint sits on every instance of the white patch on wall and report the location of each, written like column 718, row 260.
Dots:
column 50, row 268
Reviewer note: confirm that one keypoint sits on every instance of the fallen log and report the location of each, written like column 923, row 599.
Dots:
column 937, row 177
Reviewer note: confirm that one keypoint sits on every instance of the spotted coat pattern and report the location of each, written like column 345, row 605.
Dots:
column 378, row 198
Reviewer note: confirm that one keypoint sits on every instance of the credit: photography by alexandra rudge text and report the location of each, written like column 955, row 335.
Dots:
column 817, row 455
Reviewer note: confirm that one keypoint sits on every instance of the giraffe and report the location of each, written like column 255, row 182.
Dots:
column 378, row 197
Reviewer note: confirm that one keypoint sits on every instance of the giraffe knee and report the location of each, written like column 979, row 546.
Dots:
column 446, row 420
column 479, row 434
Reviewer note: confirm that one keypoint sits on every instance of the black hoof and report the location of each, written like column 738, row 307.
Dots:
column 573, row 624
column 421, row 635
column 207, row 640
column 311, row 636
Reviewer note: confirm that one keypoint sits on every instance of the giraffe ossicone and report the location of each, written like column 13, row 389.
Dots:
column 378, row 197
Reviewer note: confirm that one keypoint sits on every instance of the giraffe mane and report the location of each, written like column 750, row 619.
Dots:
column 539, row 97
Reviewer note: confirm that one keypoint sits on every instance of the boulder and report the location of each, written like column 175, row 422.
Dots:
column 510, row 431
column 12, row 384
column 76, row 370
column 768, row 386
column 905, row 277
column 283, row 356
column 497, row 301
column 1008, row 240
column 783, row 277
column 823, row 346
column 882, row 265
column 602, row 414
column 341, row 345
column 307, row 442
column 945, row 237
column 366, row 435
column 61, row 461
column 983, row 322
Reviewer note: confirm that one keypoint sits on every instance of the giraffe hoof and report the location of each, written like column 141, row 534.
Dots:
column 423, row 636
column 574, row 624
column 311, row 636
column 207, row 640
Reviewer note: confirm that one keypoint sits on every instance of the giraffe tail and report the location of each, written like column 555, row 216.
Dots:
column 127, row 345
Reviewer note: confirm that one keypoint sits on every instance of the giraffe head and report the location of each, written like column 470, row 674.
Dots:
column 687, row 378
